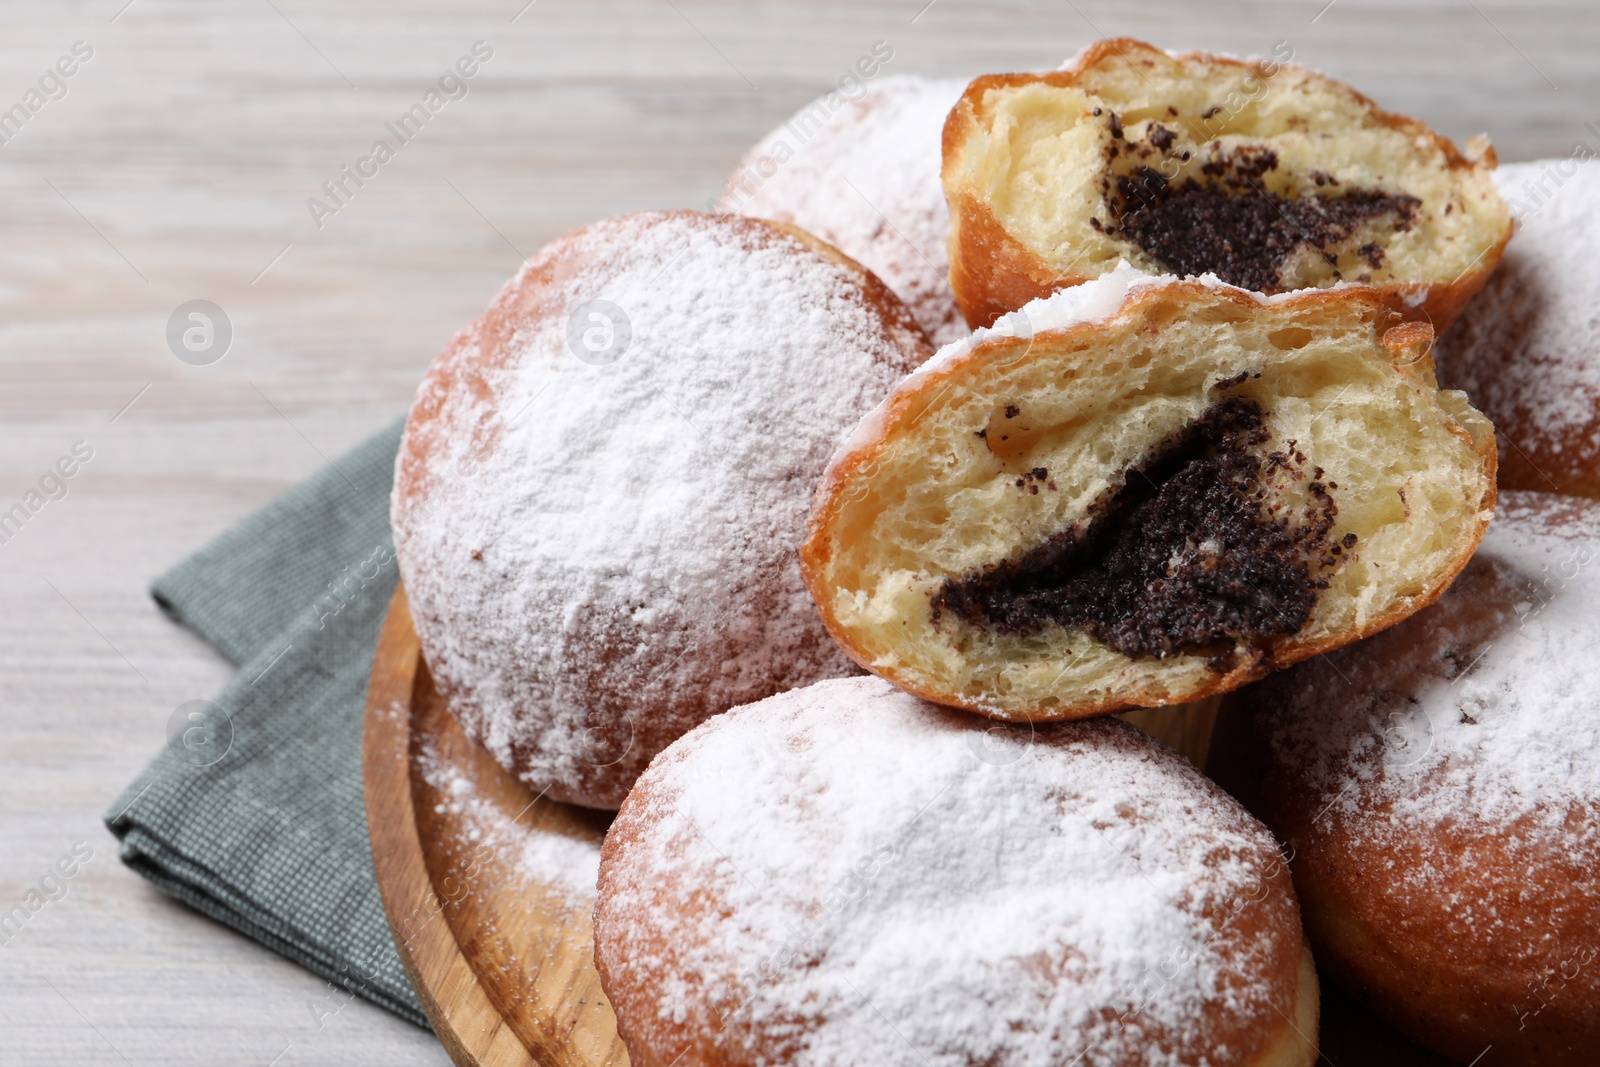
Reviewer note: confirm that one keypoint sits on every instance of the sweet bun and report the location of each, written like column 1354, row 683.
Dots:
column 1142, row 491
column 843, row 874
column 1439, row 790
column 863, row 174
column 1527, row 351
column 1269, row 175
column 603, row 482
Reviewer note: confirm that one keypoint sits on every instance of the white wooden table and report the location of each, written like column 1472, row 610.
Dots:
column 177, row 166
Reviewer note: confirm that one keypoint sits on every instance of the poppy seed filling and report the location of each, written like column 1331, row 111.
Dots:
column 1191, row 555
column 1226, row 222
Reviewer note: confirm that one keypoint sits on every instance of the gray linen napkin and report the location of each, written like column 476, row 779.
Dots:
column 253, row 813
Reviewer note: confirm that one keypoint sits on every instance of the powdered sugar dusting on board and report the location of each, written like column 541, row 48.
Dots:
column 1527, row 349
column 600, row 552
column 1481, row 706
column 844, row 874
column 548, row 860
column 865, row 177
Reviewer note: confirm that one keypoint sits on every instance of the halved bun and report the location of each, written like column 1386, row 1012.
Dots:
column 1144, row 491
column 1269, row 175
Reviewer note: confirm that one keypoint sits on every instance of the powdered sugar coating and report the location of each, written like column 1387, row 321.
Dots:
column 845, row 874
column 1097, row 300
column 1527, row 349
column 600, row 552
column 866, row 178
column 1480, row 708
column 1440, row 787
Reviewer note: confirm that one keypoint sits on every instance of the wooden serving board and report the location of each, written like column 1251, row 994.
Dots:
column 502, row 961
column 502, row 958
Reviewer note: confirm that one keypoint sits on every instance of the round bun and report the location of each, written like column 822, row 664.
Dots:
column 1269, row 175
column 1143, row 491
column 1439, row 789
column 603, row 482
column 863, row 174
column 1527, row 351
column 843, row 874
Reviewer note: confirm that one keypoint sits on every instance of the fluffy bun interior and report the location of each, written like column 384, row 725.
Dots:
column 1151, row 508
column 1271, row 176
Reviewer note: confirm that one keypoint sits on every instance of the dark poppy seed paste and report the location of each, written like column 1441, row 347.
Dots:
column 1190, row 556
column 1227, row 222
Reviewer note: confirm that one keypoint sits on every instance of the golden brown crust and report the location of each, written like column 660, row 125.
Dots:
column 1394, row 923
column 1444, row 844
column 1411, row 346
column 1428, row 976
column 1558, row 469
column 993, row 273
